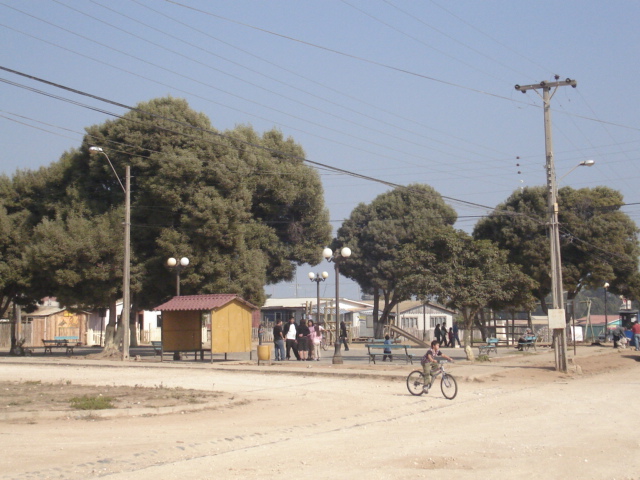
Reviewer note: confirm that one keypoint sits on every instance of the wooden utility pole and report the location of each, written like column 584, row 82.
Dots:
column 557, row 320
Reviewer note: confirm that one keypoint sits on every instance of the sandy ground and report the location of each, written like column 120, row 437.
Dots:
column 513, row 418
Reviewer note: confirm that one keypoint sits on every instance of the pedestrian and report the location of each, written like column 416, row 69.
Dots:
column 303, row 340
column 635, row 329
column 278, row 341
column 316, row 339
column 387, row 351
column 443, row 334
column 343, row 335
column 455, row 335
column 260, row 333
column 452, row 339
column 290, row 336
column 437, row 333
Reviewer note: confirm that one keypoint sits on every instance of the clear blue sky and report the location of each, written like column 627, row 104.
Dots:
column 400, row 90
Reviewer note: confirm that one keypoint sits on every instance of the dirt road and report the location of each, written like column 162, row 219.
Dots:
column 520, row 421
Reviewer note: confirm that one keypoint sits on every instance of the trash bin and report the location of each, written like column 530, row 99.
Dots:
column 264, row 353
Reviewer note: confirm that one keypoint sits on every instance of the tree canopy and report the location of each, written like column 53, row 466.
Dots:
column 385, row 237
column 598, row 241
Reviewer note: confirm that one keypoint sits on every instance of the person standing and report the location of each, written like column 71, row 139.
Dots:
column 303, row 340
column 455, row 335
column 437, row 333
column 290, row 336
column 635, row 329
column 343, row 335
column 316, row 339
column 452, row 340
column 443, row 335
column 278, row 341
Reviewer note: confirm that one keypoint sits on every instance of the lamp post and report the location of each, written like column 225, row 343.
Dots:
column 179, row 266
column 126, row 280
column 337, row 258
column 606, row 317
column 583, row 163
column 318, row 277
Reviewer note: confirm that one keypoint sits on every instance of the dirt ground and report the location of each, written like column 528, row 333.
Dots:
column 511, row 419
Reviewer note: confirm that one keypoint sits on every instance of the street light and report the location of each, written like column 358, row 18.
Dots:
column 318, row 277
column 606, row 317
column 337, row 258
column 179, row 266
column 126, row 280
column 583, row 163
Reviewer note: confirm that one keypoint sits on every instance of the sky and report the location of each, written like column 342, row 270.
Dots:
column 400, row 91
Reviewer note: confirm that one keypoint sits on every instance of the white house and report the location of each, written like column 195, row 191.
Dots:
column 148, row 326
column 415, row 317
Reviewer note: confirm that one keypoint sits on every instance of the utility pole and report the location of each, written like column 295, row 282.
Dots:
column 557, row 319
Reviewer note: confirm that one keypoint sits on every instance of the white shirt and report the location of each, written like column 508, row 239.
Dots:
column 291, row 333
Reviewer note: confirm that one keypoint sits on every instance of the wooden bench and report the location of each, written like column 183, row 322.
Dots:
column 529, row 341
column 395, row 350
column 60, row 342
column 492, row 344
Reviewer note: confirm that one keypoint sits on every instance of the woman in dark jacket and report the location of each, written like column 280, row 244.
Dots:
column 343, row 335
column 303, row 340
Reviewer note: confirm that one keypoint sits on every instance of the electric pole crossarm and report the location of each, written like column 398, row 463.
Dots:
column 547, row 85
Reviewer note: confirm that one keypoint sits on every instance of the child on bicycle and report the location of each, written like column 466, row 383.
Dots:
column 429, row 362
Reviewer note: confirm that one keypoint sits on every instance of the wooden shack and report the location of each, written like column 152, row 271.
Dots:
column 217, row 323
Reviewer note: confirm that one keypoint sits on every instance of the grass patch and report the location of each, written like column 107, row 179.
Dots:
column 91, row 403
column 483, row 358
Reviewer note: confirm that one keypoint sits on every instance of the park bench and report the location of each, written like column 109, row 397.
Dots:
column 377, row 349
column 492, row 344
column 68, row 343
column 529, row 341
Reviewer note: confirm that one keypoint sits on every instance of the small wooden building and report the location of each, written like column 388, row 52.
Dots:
column 219, row 323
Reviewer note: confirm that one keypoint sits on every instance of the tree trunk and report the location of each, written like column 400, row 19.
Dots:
column 378, row 325
column 112, row 336
column 133, row 325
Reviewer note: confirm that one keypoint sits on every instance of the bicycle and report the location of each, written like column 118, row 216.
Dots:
column 448, row 384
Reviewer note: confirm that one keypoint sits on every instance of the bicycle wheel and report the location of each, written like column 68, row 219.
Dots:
column 449, row 386
column 415, row 383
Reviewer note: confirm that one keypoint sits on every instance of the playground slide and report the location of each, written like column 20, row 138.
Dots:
column 408, row 336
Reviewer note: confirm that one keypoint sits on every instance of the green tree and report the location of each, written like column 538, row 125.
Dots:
column 476, row 274
column 243, row 207
column 598, row 241
column 389, row 239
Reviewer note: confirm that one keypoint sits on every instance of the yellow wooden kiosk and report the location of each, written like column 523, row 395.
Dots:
column 217, row 323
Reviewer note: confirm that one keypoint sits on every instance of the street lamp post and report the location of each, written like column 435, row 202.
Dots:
column 126, row 280
column 583, row 163
column 337, row 258
column 606, row 316
column 179, row 266
column 318, row 277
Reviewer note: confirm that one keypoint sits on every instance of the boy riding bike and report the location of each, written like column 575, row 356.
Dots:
column 429, row 362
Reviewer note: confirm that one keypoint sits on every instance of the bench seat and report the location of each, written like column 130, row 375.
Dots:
column 377, row 349
column 492, row 345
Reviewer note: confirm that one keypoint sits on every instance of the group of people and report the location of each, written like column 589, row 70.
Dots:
column 447, row 338
column 303, row 340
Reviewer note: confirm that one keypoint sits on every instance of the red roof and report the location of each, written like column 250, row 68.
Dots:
column 201, row 302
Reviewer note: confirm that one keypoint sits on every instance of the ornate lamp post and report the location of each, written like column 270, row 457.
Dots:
column 126, row 280
column 179, row 266
column 337, row 258
column 318, row 277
